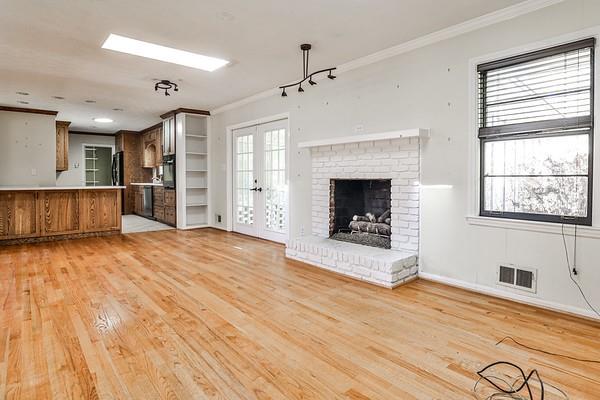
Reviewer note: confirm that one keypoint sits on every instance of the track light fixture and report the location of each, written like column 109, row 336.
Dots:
column 306, row 76
column 166, row 85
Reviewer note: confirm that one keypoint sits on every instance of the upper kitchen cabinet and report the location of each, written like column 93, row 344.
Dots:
column 168, row 136
column 151, row 148
column 62, row 145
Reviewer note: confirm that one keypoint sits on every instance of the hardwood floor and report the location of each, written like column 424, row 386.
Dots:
column 212, row 315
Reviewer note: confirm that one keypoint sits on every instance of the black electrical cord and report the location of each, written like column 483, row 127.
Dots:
column 547, row 352
column 574, row 270
column 512, row 390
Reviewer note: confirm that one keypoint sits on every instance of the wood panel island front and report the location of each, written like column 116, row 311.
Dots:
column 31, row 214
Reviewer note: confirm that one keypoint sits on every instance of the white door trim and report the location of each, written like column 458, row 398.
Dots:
column 229, row 143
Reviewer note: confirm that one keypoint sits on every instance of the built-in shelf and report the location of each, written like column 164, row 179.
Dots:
column 193, row 164
column 369, row 137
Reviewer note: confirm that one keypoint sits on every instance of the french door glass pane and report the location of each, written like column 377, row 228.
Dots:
column 245, row 179
column 275, row 184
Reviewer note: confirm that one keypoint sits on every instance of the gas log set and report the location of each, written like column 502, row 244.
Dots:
column 370, row 224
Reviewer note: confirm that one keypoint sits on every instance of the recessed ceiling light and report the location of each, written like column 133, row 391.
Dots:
column 90, row 101
column 162, row 53
column 22, row 102
column 58, row 97
column 103, row 120
column 23, row 93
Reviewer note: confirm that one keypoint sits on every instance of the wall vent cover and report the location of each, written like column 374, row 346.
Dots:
column 517, row 277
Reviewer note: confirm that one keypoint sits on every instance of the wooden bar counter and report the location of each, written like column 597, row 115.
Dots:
column 30, row 214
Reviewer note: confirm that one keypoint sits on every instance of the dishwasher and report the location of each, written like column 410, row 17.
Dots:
column 147, row 205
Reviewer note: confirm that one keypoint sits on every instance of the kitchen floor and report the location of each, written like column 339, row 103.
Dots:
column 135, row 223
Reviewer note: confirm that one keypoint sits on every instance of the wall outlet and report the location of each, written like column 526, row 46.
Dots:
column 218, row 217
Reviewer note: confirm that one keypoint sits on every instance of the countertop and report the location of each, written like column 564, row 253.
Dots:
column 145, row 184
column 14, row 188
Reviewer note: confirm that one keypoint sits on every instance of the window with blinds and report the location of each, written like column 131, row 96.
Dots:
column 535, row 129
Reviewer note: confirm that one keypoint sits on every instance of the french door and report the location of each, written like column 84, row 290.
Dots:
column 260, row 187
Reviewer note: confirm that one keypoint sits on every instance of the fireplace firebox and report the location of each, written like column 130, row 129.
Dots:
column 360, row 211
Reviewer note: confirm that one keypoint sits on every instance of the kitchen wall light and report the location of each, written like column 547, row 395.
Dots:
column 103, row 120
column 167, row 54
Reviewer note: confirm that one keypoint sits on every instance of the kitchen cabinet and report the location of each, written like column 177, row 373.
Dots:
column 59, row 212
column 163, row 204
column 168, row 136
column 40, row 214
column 151, row 148
column 170, row 216
column 62, row 145
column 138, row 195
column 19, row 216
column 130, row 143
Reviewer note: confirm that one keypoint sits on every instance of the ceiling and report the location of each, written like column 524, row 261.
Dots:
column 53, row 48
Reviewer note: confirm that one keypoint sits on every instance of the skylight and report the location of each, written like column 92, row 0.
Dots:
column 157, row 52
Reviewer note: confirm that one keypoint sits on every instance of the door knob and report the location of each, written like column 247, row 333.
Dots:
column 256, row 189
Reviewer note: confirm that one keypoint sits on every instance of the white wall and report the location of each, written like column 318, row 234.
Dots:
column 27, row 149
column 429, row 88
column 74, row 175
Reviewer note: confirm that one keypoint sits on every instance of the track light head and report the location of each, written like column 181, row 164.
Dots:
column 312, row 82
column 283, row 94
column 300, row 89
column 331, row 76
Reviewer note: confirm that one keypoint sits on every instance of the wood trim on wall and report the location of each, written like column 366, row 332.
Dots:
column 151, row 128
column 184, row 110
column 91, row 133
column 28, row 110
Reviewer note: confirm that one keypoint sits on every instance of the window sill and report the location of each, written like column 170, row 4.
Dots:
column 534, row 226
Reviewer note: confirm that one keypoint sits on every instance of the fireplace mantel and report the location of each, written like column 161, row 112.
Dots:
column 369, row 137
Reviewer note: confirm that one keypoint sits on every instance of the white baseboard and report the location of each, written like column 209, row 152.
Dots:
column 222, row 228
column 549, row 305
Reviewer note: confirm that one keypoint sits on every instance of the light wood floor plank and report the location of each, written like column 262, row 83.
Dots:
column 212, row 315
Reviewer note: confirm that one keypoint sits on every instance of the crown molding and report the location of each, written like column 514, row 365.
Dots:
column 28, row 110
column 151, row 128
column 184, row 110
column 474, row 24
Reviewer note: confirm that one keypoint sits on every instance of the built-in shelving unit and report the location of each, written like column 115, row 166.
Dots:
column 193, row 180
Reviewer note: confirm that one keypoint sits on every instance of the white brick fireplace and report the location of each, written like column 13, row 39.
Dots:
column 390, row 155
